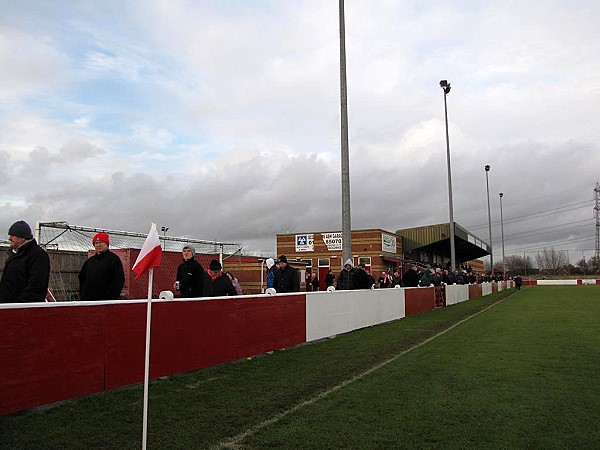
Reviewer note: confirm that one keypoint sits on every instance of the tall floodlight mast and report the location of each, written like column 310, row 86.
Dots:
column 597, row 213
column 346, row 222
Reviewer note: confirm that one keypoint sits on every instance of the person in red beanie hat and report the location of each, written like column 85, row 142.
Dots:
column 101, row 277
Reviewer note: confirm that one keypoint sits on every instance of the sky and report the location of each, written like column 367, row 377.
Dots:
column 221, row 119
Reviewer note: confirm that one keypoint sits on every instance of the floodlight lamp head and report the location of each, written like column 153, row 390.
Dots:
column 487, row 167
column 501, row 195
column 445, row 86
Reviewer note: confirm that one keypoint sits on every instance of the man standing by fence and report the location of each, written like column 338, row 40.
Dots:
column 101, row 277
column 286, row 277
column 27, row 269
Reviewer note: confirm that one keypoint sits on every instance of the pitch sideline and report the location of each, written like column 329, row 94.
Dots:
column 235, row 442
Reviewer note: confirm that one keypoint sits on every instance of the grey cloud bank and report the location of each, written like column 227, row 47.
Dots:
column 222, row 122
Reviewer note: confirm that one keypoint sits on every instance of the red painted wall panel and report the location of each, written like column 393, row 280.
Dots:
column 54, row 353
column 418, row 300
column 476, row 290
column 50, row 354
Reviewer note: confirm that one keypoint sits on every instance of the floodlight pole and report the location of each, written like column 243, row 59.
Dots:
column 487, row 184
column 346, row 221
column 164, row 230
column 502, row 228
column 446, row 87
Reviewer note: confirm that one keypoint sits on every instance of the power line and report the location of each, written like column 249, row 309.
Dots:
column 539, row 214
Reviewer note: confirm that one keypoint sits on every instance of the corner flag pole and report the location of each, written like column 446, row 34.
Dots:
column 147, row 360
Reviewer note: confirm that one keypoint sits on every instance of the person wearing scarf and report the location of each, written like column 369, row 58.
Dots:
column 216, row 283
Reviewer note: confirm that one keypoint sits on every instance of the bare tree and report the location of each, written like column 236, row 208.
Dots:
column 516, row 264
column 551, row 261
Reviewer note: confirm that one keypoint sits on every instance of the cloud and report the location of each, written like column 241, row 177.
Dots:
column 223, row 122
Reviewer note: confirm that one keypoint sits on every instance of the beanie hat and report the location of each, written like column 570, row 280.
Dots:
column 20, row 229
column 214, row 265
column 283, row 259
column 193, row 250
column 270, row 263
column 101, row 237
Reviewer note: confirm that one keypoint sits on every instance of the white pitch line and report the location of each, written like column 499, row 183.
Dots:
column 235, row 442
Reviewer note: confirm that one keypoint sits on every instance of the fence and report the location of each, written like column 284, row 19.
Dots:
column 69, row 246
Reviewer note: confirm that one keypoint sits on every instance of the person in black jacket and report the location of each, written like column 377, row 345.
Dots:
column 411, row 276
column 286, row 277
column 216, row 283
column 190, row 275
column 345, row 279
column 101, row 277
column 27, row 269
column 361, row 279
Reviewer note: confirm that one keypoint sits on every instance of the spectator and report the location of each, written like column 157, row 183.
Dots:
column 385, row 280
column 271, row 273
column 27, row 268
column 425, row 278
column 518, row 282
column 286, row 277
column 436, row 277
column 216, row 284
column 362, row 279
column 236, row 283
column 329, row 278
column 411, row 276
column 190, row 275
column 345, row 278
column 101, row 277
column 314, row 281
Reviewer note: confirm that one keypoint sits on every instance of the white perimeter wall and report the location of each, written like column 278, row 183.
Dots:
column 331, row 313
column 486, row 288
column 555, row 282
column 457, row 293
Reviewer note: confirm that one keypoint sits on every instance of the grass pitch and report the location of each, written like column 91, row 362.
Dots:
column 523, row 373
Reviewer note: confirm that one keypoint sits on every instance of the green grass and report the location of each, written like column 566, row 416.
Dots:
column 522, row 374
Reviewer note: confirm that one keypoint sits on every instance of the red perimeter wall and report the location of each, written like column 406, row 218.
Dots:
column 418, row 300
column 59, row 352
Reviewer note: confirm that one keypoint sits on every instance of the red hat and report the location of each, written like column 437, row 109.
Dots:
column 101, row 237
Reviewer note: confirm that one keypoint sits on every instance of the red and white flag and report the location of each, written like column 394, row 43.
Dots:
column 150, row 255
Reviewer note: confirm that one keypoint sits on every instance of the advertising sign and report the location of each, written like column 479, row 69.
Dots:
column 388, row 243
column 333, row 241
column 305, row 243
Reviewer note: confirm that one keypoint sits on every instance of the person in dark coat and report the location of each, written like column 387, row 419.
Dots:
column 329, row 278
column 345, row 280
column 101, row 277
column 314, row 281
column 362, row 279
column 518, row 282
column 216, row 283
column 411, row 276
column 26, row 270
column 286, row 277
column 190, row 275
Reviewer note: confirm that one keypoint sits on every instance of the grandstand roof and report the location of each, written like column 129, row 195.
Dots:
column 436, row 239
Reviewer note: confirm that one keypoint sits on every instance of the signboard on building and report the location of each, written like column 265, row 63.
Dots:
column 388, row 243
column 333, row 241
column 305, row 243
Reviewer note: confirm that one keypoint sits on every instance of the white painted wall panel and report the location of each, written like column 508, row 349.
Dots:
column 456, row 293
column 331, row 313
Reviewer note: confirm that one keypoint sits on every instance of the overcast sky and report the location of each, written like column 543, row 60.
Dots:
column 221, row 119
